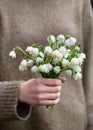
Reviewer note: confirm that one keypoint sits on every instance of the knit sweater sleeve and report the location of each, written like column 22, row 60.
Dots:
column 10, row 108
column 88, row 68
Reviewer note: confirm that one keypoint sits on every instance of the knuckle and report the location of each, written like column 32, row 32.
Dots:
column 37, row 80
column 39, row 97
column 57, row 82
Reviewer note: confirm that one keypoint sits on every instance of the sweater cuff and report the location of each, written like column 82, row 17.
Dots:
column 10, row 108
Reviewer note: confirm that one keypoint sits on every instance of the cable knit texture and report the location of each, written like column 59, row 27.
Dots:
column 24, row 22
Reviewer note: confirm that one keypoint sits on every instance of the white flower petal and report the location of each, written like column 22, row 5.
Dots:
column 41, row 54
column 60, row 38
column 57, row 69
column 23, row 62
column 35, row 69
column 12, row 54
column 76, row 68
column 39, row 60
column 57, row 54
column 77, row 76
column 48, row 50
column 65, row 62
column 30, row 63
column 51, row 39
column 74, row 61
column 62, row 50
column 23, row 65
column 70, row 42
column 68, row 72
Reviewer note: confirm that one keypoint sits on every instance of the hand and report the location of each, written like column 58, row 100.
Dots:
column 41, row 91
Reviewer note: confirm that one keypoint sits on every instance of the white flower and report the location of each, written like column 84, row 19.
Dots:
column 23, row 65
column 77, row 76
column 39, row 60
column 35, row 69
column 66, row 55
column 60, row 38
column 74, row 61
column 30, row 63
column 29, row 49
column 32, row 50
column 51, row 39
column 57, row 54
column 35, row 51
column 76, row 68
column 62, row 50
column 73, row 40
column 22, row 68
column 70, row 42
column 48, row 50
column 77, row 48
column 65, row 62
column 82, row 55
column 12, row 54
column 56, row 60
column 49, row 66
column 24, row 62
column 45, row 68
column 68, row 72
column 57, row 69
column 41, row 54
column 80, row 61
column 81, row 58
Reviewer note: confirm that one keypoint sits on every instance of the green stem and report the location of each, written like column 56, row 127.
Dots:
column 20, row 49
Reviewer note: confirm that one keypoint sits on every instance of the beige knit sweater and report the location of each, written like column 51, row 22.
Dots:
column 23, row 22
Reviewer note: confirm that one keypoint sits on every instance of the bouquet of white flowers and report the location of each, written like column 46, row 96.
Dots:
column 62, row 54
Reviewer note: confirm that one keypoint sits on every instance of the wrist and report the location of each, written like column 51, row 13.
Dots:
column 21, row 93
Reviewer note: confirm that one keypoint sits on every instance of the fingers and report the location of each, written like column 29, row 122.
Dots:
column 49, row 102
column 63, row 79
column 48, row 81
column 48, row 96
column 41, row 91
column 48, row 89
column 42, row 102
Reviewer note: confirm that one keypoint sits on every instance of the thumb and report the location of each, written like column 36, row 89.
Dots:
column 63, row 79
